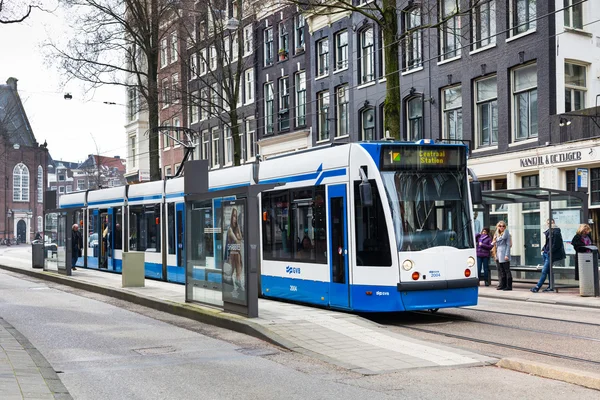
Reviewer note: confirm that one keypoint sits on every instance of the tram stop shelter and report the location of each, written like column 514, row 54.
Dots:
column 525, row 212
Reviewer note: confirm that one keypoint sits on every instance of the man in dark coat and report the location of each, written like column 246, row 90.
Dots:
column 557, row 251
column 76, row 246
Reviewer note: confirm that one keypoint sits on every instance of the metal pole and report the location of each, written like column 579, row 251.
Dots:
column 551, row 272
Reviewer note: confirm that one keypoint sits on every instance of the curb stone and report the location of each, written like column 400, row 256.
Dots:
column 582, row 378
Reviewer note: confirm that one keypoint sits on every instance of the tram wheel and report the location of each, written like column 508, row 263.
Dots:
column 433, row 310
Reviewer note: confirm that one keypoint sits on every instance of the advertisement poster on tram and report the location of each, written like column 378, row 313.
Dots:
column 234, row 268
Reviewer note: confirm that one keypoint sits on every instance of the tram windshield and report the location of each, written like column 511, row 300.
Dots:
column 429, row 209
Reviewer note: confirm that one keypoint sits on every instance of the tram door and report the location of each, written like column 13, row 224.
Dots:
column 339, row 294
column 102, row 232
column 180, row 234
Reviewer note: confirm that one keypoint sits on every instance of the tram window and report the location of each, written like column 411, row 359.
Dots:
column 294, row 225
column 372, row 240
column 144, row 230
column 171, row 227
column 118, row 230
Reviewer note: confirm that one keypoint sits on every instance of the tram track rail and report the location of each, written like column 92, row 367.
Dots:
column 499, row 344
column 532, row 316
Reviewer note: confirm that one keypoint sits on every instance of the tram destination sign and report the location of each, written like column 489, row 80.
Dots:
column 422, row 157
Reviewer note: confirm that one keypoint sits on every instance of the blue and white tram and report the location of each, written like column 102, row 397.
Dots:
column 370, row 227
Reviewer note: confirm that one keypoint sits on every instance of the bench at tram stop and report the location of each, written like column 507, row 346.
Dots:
column 133, row 274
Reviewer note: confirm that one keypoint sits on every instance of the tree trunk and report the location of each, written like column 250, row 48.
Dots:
column 152, row 98
column 391, row 53
column 235, row 136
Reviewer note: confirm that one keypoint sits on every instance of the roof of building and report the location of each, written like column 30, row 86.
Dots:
column 14, row 124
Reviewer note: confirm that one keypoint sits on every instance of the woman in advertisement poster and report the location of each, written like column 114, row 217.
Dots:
column 234, row 248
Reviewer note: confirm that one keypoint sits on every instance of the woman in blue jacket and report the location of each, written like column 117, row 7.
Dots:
column 502, row 243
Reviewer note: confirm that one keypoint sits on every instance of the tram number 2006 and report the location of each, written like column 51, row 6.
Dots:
column 293, row 288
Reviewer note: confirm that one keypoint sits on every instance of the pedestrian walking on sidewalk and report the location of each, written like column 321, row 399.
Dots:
column 557, row 251
column 484, row 246
column 76, row 246
column 502, row 242
column 581, row 239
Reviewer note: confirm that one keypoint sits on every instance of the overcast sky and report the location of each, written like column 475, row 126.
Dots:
column 67, row 125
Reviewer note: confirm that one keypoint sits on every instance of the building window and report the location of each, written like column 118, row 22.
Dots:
column 69, row 188
column 40, row 224
column 249, row 82
column 174, row 50
column 570, row 183
column 205, row 145
column 573, row 14
column 523, row 16
column 61, row 189
column 268, row 47
column 341, row 50
column 132, row 153
column 228, row 146
column 483, row 18
column 525, row 119
column 204, row 104
column 175, row 88
column 203, row 62
column 575, row 87
column 250, row 140
column 367, row 56
column 214, row 99
column 132, row 105
column 343, row 118
column 21, row 183
column 486, row 185
column 301, row 98
column 368, row 124
column 284, row 103
column 53, row 188
column 323, row 120
column 452, row 113
column 166, row 95
column 486, row 109
column 414, row 38
column 414, row 115
column 194, row 108
column 595, row 186
column 193, row 66
column 61, row 177
column 80, row 184
column 284, row 44
column 248, row 40
column 299, row 27
column 531, row 181
column 168, row 171
column 269, row 108
column 163, row 52
column 322, row 57
column 40, row 184
column 449, row 30
column 215, row 146
column 213, row 58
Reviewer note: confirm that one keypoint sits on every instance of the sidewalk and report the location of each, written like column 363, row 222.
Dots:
column 339, row 338
column 520, row 292
column 24, row 372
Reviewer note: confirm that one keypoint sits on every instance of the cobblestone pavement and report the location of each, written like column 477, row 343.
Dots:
column 24, row 372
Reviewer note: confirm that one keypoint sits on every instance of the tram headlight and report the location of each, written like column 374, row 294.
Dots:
column 470, row 262
column 407, row 265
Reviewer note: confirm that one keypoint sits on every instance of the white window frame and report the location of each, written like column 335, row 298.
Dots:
column 268, row 54
column 194, row 109
column 515, row 114
column 40, row 184
column 193, row 66
column 69, row 188
column 212, row 64
column 166, row 99
column 248, row 40
column 269, row 108
column 452, row 111
column 300, row 85
column 409, row 124
column 413, row 51
column 250, row 154
column 299, row 35
column 174, row 50
column 364, row 126
column 40, row 224
column 61, row 189
column 168, row 171
column 483, row 25
column 342, row 100
column 228, row 149
column 341, row 52
column 573, row 89
column 284, row 101
column 132, row 150
column 521, row 26
column 203, row 62
column 80, row 184
column 450, row 46
column 490, row 103
column 175, row 88
column 21, row 183
column 284, row 39
column 216, row 138
column 322, row 49
column 163, row 53
column 323, row 125
column 205, row 144
column 367, row 55
column 249, row 86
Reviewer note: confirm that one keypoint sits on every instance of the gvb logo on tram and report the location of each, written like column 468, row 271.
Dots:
column 292, row 270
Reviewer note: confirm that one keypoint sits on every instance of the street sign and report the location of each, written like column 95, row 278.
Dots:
column 581, row 179
column 144, row 175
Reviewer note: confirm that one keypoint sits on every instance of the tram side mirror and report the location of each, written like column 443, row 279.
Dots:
column 366, row 195
column 476, row 195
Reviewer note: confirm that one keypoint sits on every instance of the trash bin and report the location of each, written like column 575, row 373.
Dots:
column 588, row 272
column 133, row 273
column 37, row 255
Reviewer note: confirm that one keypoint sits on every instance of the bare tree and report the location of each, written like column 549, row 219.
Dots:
column 221, row 54
column 12, row 12
column 116, row 42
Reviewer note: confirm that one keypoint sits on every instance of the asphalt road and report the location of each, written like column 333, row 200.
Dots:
column 106, row 348
column 559, row 335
